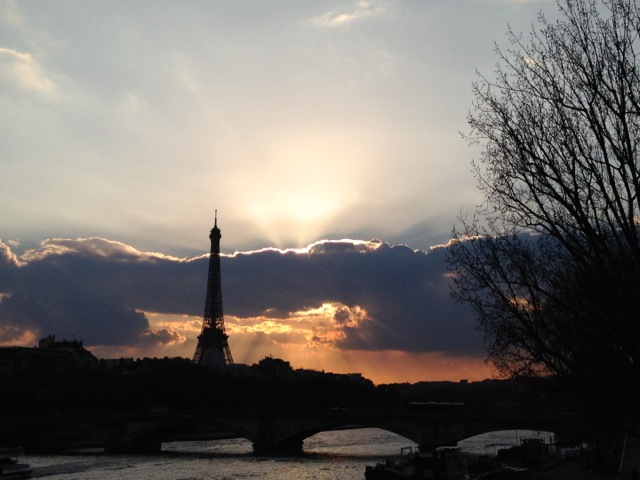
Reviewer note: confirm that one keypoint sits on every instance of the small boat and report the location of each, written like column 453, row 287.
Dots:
column 12, row 465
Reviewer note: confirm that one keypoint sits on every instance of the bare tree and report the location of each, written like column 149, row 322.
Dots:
column 551, row 260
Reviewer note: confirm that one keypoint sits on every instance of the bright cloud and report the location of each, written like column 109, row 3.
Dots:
column 21, row 69
column 96, row 247
column 362, row 9
column 324, row 326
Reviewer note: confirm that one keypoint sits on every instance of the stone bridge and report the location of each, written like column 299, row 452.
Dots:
column 272, row 431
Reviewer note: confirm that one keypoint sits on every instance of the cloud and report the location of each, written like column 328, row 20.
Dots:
column 345, row 295
column 21, row 69
column 162, row 337
column 92, row 247
column 7, row 257
column 86, row 288
column 362, row 9
column 403, row 292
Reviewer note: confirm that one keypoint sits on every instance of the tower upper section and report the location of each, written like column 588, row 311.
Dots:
column 215, row 236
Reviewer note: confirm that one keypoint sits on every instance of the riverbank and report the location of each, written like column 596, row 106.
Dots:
column 573, row 470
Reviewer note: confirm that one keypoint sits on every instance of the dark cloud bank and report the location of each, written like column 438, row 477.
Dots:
column 95, row 289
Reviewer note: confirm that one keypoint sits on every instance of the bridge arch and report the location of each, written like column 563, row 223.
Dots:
column 149, row 437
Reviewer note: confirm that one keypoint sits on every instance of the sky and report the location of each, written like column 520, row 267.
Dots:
column 326, row 134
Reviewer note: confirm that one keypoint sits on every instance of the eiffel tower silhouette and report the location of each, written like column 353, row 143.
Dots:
column 213, row 348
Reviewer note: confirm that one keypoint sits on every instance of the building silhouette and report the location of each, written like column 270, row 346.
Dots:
column 213, row 348
column 28, row 369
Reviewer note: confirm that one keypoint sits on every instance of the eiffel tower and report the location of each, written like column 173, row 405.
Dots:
column 213, row 348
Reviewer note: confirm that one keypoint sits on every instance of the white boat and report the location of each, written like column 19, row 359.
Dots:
column 12, row 465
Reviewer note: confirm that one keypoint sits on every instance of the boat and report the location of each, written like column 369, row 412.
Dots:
column 445, row 463
column 12, row 465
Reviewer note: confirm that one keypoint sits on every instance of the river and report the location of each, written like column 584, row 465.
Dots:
column 339, row 455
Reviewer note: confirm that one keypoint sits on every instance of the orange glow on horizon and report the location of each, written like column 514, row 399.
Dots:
column 10, row 336
column 306, row 339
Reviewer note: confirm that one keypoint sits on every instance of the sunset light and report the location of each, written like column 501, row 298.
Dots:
column 313, row 180
column 326, row 137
